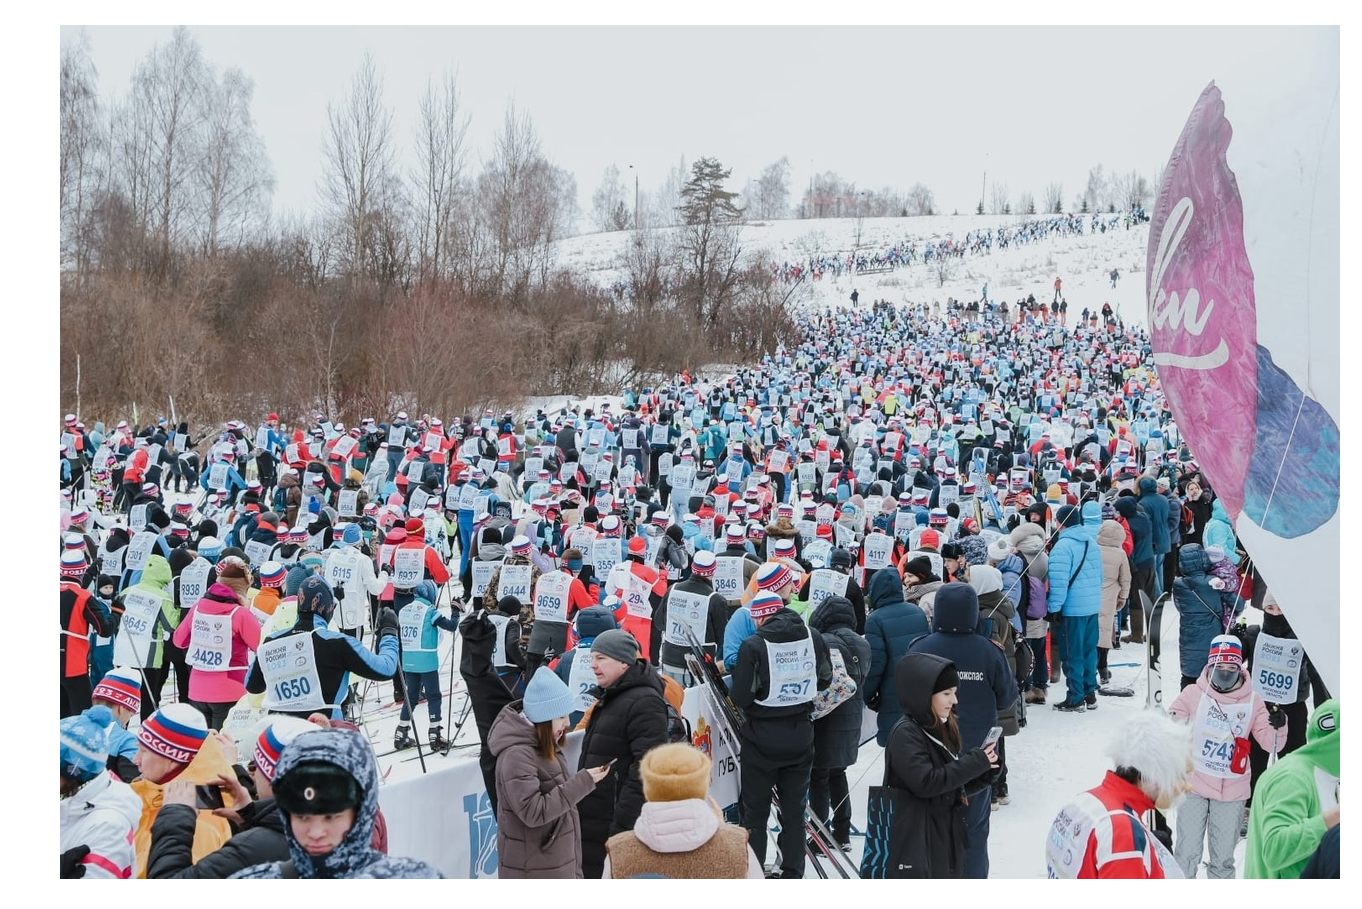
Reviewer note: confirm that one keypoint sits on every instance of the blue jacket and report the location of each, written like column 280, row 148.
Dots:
column 1220, row 533
column 1077, row 556
column 740, row 627
column 1141, row 531
column 1156, row 508
column 1201, row 610
column 987, row 684
column 889, row 629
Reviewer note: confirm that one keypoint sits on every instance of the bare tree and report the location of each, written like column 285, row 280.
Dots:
column 667, row 200
column 524, row 204
column 1054, row 199
column 358, row 159
column 1098, row 190
column 998, row 200
column 234, row 171
column 769, row 197
column 920, row 201
column 166, row 114
column 609, row 211
column 82, row 141
column 441, row 134
column 1134, row 190
column 1026, row 204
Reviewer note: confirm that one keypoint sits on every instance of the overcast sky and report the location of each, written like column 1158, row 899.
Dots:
column 882, row 106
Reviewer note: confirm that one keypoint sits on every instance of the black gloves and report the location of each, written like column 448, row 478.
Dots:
column 387, row 623
column 1055, row 618
column 339, row 593
column 72, row 862
column 1276, row 717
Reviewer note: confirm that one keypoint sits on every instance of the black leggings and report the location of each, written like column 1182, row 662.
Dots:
column 75, row 695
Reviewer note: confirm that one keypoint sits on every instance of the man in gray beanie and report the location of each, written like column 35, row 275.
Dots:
column 629, row 717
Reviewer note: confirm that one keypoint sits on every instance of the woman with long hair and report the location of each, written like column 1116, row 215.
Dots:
column 924, row 761
column 538, row 834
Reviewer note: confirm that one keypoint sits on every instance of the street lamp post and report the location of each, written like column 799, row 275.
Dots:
column 635, row 170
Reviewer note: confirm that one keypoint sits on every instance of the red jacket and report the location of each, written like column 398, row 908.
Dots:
column 1104, row 827
column 79, row 615
column 434, row 567
column 642, row 628
column 136, row 469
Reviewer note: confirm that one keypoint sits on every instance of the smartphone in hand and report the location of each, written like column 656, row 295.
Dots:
column 993, row 735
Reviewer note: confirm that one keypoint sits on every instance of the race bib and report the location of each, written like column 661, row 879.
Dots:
column 605, row 552
column 551, row 597
column 411, row 623
column 257, row 552
column 629, row 438
column 137, row 517
column 341, row 567
column 482, row 576
column 826, row 583
column 136, row 638
column 409, row 567
column 728, row 577
column 139, row 550
column 111, row 563
column 878, row 547
column 194, row 581
column 514, row 582
column 660, row 432
column 1214, row 730
column 686, row 610
column 581, row 679
column 1277, row 664
column 347, row 503
column 414, row 470
column 289, row 665
column 217, row 476
column 635, row 595
column 792, row 673
column 210, row 642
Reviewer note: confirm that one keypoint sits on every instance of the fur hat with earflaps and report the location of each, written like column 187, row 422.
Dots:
column 674, row 772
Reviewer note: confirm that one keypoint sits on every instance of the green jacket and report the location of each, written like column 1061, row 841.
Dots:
column 155, row 580
column 1286, row 822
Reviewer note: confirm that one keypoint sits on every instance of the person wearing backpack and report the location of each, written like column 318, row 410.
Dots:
column 998, row 620
column 1025, row 582
column 837, row 734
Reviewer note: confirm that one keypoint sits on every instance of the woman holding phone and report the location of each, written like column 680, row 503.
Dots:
column 924, row 761
column 538, row 834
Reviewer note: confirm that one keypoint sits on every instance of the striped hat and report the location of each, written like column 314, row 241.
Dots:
column 661, row 517
column 175, row 732
column 79, row 514
column 520, row 545
column 272, row 739
column 182, row 508
column 72, row 541
column 735, row 532
column 785, row 510
column 179, row 528
column 121, row 686
column 764, row 604
column 1225, row 648
column 298, row 534
column 703, row 564
column 73, row 563
column 272, row 574
column 785, row 548
column 772, row 576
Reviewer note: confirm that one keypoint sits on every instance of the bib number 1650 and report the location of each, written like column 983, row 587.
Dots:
column 288, row 689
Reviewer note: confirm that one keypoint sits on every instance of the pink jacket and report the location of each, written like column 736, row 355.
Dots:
column 1185, row 706
column 221, row 687
column 681, row 827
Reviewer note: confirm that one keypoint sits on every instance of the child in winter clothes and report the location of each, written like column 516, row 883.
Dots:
column 1223, row 711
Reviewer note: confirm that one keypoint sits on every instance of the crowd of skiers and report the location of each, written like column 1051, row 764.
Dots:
column 934, row 518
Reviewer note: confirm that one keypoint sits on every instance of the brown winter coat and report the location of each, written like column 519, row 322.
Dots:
column 1115, row 578
column 538, row 832
column 293, row 497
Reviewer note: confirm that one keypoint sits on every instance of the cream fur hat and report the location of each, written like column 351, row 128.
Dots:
column 675, row 772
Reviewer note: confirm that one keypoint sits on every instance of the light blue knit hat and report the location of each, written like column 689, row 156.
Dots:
column 546, row 697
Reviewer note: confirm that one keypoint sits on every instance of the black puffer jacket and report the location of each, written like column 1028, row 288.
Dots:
column 172, row 842
column 837, row 736
column 777, row 732
column 629, row 718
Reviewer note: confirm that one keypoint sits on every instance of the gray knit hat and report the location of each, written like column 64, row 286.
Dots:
column 546, row 697
column 616, row 644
